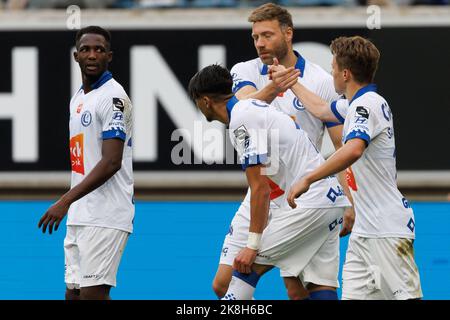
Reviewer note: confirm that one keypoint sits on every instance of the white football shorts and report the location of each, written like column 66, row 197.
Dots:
column 301, row 242
column 92, row 255
column 380, row 269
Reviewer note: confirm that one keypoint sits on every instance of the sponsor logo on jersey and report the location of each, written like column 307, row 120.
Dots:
column 411, row 224
column 80, row 106
column 297, row 104
column 242, row 138
column 118, row 104
column 76, row 153
column 360, row 120
column 86, row 118
column 118, row 115
column 333, row 194
column 363, row 112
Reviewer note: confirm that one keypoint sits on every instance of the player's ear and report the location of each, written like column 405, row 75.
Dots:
column 288, row 33
column 75, row 56
column 110, row 56
column 207, row 101
column 346, row 74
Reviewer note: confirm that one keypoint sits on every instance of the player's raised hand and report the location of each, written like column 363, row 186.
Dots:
column 349, row 220
column 276, row 66
column 283, row 78
column 244, row 260
column 296, row 191
column 53, row 216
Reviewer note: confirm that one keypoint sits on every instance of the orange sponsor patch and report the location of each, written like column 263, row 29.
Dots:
column 76, row 153
column 351, row 179
column 80, row 106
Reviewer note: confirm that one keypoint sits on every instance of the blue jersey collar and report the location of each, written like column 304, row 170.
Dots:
column 300, row 64
column 230, row 106
column 105, row 77
column 363, row 90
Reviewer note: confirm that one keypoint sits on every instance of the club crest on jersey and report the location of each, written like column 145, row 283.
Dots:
column 86, row 118
column 118, row 104
column 297, row 104
column 363, row 112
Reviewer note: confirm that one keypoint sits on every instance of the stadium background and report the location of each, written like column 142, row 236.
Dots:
column 183, row 211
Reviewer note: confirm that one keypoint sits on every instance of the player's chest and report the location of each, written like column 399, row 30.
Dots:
column 82, row 114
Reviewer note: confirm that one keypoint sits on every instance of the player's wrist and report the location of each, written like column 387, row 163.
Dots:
column 254, row 241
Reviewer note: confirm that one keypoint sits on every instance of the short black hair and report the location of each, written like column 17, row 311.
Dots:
column 95, row 30
column 213, row 81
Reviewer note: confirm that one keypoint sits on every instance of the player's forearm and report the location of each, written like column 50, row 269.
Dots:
column 101, row 173
column 313, row 103
column 339, row 161
column 267, row 94
column 259, row 208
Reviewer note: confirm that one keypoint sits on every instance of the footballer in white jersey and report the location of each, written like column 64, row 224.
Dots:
column 272, row 32
column 380, row 259
column 275, row 152
column 255, row 73
column 99, row 204
column 103, row 113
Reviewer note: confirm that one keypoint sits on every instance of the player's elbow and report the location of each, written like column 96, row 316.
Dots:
column 115, row 164
column 322, row 113
column 356, row 153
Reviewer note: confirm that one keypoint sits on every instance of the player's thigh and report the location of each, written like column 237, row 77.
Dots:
column 398, row 272
column 378, row 269
column 292, row 238
column 323, row 268
column 101, row 251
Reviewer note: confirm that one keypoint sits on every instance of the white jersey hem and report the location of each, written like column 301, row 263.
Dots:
column 99, row 226
column 383, row 235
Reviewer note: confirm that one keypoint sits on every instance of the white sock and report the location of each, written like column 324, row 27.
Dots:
column 242, row 286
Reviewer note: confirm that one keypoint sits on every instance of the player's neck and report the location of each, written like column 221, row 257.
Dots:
column 89, row 81
column 289, row 60
column 222, row 114
column 352, row 88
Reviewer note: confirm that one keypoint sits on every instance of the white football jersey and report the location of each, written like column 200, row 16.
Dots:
column 381, row 210
column 263, row 135
column 103, row 113
column 255, row 73
column 312, row 76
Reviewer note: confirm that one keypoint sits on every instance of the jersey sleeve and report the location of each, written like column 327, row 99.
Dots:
column 339, row 109
column 242, row 76
column 363, row 123
column 112, row 113
column 250, row 136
